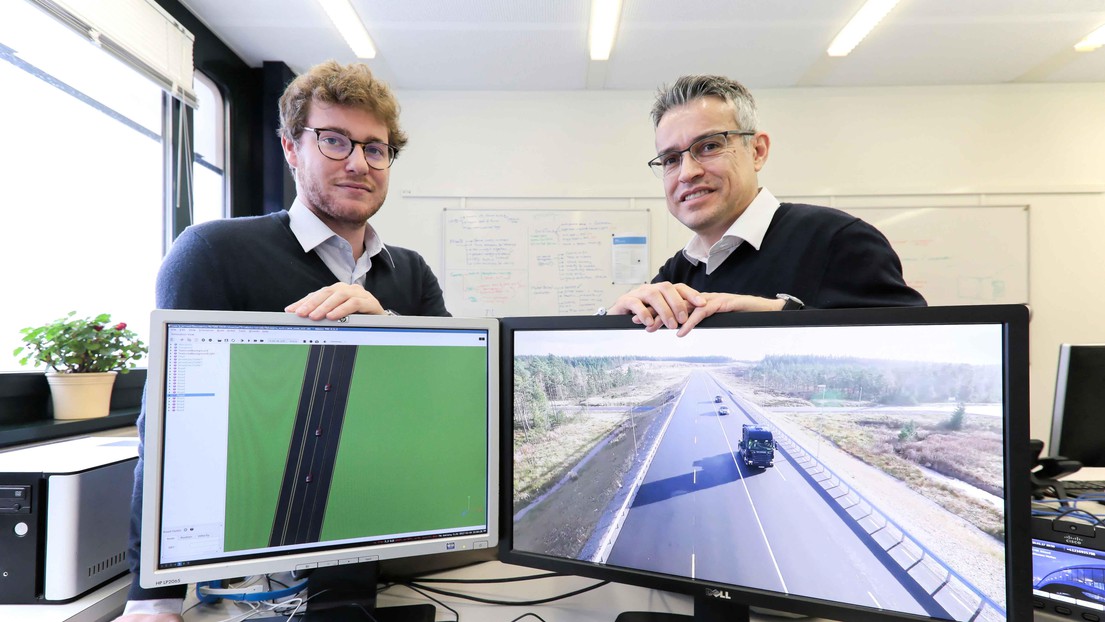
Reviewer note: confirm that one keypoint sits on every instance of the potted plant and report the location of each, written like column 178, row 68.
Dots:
column 82, row 357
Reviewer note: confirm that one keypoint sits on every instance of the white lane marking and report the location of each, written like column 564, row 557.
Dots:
column 607, row 542
column 875, row 600
column 692, row 566
column 756, row 514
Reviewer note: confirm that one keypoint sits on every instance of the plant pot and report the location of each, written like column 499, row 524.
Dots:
column 81, row 396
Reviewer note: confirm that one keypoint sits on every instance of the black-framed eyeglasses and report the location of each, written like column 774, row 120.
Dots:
column 702, row 150
column 338, row 146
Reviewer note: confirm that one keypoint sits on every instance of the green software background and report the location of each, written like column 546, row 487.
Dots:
column 413, row 445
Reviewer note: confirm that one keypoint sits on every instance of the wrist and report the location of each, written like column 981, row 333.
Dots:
column 790, row 303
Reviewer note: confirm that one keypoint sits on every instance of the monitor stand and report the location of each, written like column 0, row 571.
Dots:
column 705, row 610
column 347, row 593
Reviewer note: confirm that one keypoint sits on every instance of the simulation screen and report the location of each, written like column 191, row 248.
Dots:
column 855, row 464
column 305, row 438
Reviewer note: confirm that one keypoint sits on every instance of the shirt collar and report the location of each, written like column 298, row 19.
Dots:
column 311, row 232
column 751, row 226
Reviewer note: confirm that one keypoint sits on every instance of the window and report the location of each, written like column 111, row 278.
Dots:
column 209, row 168
column 82, row 221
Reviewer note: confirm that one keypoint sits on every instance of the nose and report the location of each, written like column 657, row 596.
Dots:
column 356, row 161
column 689, row 168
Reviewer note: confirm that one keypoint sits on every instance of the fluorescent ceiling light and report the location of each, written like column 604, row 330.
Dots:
column 604, row 25
column 869, row 15
column 350, row 26
column 1092, row 41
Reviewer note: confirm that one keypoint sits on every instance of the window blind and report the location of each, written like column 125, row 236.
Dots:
column 139, row 32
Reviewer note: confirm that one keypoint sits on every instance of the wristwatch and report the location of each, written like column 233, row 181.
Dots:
column 792, row 303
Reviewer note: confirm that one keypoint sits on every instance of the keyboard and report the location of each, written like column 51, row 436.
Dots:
column 1078, row 488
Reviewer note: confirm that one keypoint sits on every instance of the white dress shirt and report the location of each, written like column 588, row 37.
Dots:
column 335, row 251
column 750, row 227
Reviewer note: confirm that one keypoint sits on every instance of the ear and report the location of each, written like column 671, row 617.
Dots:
column 761, row 144
column 290, row 151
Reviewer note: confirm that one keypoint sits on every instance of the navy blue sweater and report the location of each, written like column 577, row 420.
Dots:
column 256, row 264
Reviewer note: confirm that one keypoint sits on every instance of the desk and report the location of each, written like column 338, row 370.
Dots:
column 102, row 604
column 600, row 605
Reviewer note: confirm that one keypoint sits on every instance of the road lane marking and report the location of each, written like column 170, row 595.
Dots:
column 615, row 528
column 875, row 600
column 756, row 514
column 692, row 566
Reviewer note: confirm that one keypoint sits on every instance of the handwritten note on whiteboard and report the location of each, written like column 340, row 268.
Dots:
column 959, row 255
column 502, row 263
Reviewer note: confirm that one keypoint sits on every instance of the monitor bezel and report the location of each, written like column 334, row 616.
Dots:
column 1060, row 426
column 153, row 446
column 1014, row 320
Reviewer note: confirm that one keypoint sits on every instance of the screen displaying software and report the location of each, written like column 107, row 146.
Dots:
column 853, row 464
column 1066, row 574
column 294, row 438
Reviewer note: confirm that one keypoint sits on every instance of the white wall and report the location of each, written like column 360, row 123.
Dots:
column 1036, row 145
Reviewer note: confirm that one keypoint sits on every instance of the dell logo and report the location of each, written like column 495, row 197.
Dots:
column 722, row 594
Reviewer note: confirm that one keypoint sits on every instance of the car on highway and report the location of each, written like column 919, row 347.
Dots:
column 327, row 387
column 717, row 399
column 724, row 410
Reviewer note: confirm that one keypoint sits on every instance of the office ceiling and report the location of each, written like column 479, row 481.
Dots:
column 542, row 44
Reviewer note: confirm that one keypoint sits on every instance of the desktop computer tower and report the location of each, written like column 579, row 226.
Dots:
column 64, row 517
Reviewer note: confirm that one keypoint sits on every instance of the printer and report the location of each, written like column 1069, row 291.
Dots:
column 64, row 517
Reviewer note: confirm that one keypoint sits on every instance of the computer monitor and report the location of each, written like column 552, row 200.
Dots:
column 1078, row 419
column 863, row 464
column 275, row 443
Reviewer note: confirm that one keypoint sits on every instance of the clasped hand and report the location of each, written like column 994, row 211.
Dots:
column 679, row 306
column 336, row 301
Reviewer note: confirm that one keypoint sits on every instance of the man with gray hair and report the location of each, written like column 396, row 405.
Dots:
column 749, row 252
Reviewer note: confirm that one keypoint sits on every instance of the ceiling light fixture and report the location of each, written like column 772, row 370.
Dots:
column 350, row 27
column 1092, row 41
column 604, row 26
column 869, row 15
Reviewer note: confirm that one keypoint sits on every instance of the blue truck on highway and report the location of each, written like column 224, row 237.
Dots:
column 757, row 446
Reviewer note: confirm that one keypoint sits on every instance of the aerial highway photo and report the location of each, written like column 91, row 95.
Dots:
column 858, row 464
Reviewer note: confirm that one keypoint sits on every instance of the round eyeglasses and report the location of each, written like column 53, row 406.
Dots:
column 338, row 146
column 702, row 150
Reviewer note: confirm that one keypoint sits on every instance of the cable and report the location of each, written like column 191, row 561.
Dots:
column 1067, row 510
column 526, row 615
column 546, row 575
column 456, row 614
column 207, row 592
column 519, row 603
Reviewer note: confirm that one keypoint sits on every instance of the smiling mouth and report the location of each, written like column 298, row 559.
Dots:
column 694, row 195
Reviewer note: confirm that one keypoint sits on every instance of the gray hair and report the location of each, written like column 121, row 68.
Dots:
column 689, row 88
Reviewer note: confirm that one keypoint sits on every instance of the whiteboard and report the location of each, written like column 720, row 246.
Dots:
column 504, row 262
column 958, row 255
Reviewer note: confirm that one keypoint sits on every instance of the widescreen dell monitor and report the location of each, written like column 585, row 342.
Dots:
column 849, row 464
column 275, row 443
column 1078, row 419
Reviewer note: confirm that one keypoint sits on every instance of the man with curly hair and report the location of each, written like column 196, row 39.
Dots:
column 339, row 127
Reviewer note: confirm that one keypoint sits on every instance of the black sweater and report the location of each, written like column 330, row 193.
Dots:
column 825, row 257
